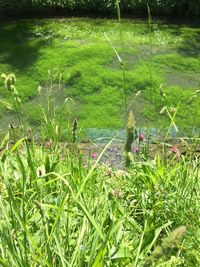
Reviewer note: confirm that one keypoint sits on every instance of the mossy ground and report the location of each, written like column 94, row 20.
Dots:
column 162, row 56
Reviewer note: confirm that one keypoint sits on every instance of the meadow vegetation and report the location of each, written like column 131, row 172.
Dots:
column 60, row 207
column 74, row 57
column 57, row 211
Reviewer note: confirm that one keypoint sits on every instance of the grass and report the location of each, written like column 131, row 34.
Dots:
column 61, row 208
column 91, row 76
column 58, row 212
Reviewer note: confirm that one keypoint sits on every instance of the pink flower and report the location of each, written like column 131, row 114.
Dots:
column 62, row 158
column 136, row 150
column 48, row 144
column 93, row 155
column 141, row 137
column 174, row 150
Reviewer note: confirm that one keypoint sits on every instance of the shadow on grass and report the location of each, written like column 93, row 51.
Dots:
column 19, row 47
column 191, row 44
column 190, row 38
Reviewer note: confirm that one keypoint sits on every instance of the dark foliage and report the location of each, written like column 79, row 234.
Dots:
column 179, row 8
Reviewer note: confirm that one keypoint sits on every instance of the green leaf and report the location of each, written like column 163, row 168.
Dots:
column 16, row 145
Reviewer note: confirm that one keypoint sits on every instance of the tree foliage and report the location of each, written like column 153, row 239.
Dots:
column 158, row 7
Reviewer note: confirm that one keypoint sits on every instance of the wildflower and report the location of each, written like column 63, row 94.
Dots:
column 136, row 150
column 93, row 155
column 141, row 137
column 174, row 150
column 48, row 144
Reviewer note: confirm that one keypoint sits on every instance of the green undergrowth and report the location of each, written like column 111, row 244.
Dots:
column 57, row 211
column 78, row 50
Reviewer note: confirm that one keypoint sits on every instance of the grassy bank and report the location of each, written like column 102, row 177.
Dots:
column 162, row 62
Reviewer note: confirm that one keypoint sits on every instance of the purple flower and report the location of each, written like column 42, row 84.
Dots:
column 141, row 137
column 48, row 144
column 136, row 150
column 93, row 155
column 174, row 150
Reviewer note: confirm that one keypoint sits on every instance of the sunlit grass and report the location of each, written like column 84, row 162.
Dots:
column 78, row 49
column 60, row 208
column 56, row 212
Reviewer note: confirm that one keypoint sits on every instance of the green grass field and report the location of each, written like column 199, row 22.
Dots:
column 161, row 59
